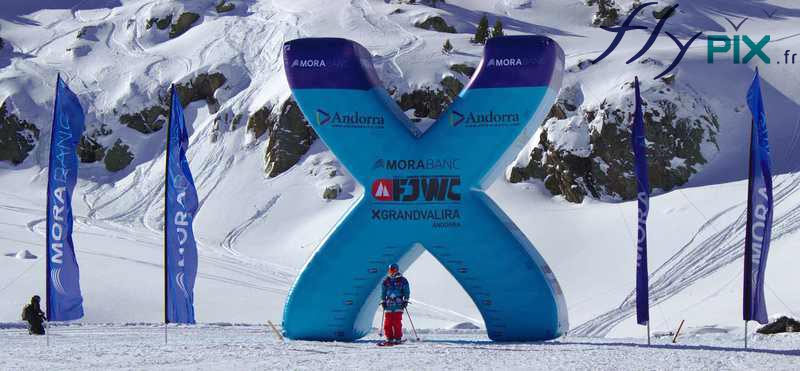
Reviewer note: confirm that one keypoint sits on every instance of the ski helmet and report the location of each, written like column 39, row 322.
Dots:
column 393, row 267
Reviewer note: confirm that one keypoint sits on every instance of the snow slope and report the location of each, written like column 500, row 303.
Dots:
column 141, row 347
column 255, row 233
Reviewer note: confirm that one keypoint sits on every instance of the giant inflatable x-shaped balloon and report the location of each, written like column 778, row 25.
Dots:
column 425, row 190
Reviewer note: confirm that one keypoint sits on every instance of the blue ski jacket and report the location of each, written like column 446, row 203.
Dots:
column 395, row 292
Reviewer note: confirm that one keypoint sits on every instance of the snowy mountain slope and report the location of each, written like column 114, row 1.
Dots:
column 255, row 232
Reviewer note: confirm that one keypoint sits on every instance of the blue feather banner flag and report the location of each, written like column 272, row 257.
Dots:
column 64, row 299
column 180, row 207
column 759, row 209
column 643, row 196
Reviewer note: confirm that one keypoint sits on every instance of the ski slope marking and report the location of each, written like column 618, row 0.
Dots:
column 701, row 257
column 230, row 239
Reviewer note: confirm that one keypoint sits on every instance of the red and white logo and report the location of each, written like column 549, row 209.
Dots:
column 382, row 189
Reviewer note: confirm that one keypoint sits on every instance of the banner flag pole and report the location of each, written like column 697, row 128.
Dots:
column 180, row 206
column 63, row 299
column 745, row 334
column 639, row 146
column 166, row 205
column 760, row 207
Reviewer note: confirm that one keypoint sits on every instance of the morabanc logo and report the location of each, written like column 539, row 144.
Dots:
column 418, row 164
column 417, row 188
column 355, row 120
column 505, row 62
column 513, row 62
column 308, row 63
column 317, row 63
column 484, row 119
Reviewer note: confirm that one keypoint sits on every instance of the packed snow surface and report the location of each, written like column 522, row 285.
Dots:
column 237, row 347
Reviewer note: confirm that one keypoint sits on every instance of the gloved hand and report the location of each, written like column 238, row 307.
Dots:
column 404, row 305
column 383, row 305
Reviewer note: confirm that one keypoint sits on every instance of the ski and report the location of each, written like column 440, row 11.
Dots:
column 389, row 344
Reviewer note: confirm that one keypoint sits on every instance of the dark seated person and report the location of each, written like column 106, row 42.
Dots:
column 33, row 314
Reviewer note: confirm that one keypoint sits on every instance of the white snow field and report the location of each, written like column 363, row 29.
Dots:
column 243, row 347
column 255, row 233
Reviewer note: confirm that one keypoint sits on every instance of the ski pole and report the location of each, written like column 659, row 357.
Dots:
column 383, row 317
column 412, row 324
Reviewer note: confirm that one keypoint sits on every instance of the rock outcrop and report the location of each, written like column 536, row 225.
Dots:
column 153, row 118
column 607, row 14
column 586, row 150
column 184, row 22
column 464, row 69
column 435, row 23
column 89, row 150
column 224, row 7
column 118, row 157
column 262, row 121
column 290, row 138
column 148, row 120
column 430, row 102
column 17, row 137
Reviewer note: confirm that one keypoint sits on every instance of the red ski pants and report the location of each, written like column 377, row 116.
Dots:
column 393, row 325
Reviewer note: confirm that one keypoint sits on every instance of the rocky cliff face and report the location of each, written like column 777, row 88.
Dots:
column 119, row 155
column 608, row 13
column 201, row 88
column 183, row 23
column 430, row 101
column 290, row 138
column 585, row 150
column 17, row 137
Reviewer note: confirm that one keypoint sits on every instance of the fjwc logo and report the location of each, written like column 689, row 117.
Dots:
column 484, row 119
column 417, row 188
column 382, row 189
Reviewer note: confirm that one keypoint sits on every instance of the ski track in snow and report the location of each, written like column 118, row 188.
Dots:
column 410, row 41
column 230, row 239
column 703, row 256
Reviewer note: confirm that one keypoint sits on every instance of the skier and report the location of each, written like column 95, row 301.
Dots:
column 394, row 299
column 33, row 314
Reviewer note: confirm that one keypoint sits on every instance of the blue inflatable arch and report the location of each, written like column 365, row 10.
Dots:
column 425, row 190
